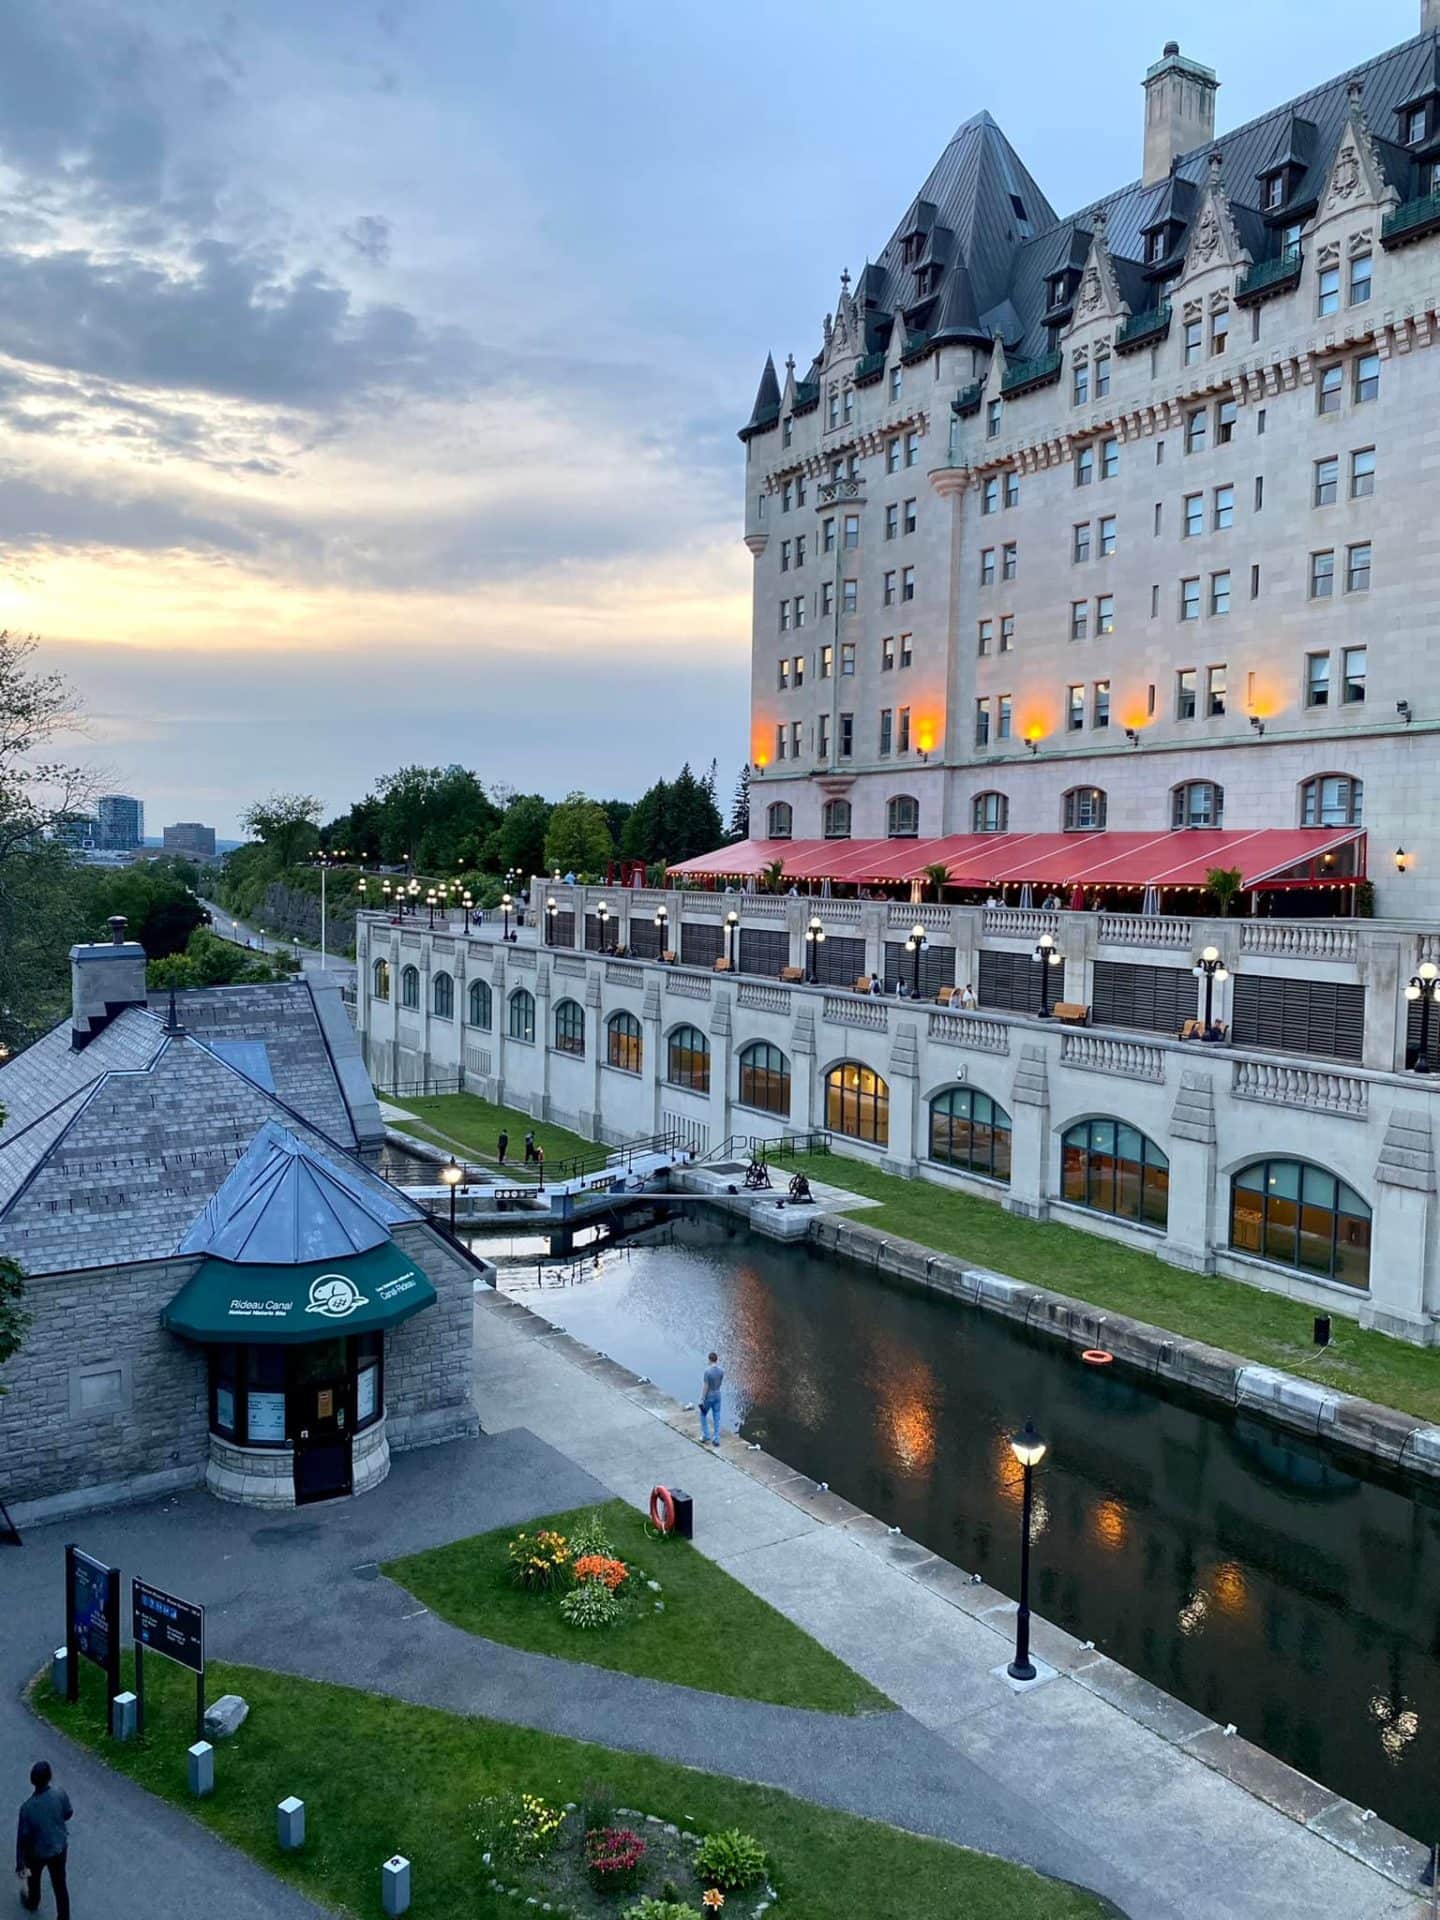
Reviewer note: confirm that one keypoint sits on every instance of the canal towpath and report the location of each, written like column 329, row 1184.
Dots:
column 1128, row 1779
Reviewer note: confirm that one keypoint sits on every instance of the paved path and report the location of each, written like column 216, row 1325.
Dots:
column 229, row 928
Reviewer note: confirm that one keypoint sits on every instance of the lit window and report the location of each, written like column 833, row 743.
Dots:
column 1317, row 679
column 1292, row 1214
column 1105, row 614
column 1100, row 704
column 1107, row 534
column 1224, row 508
column 1327, row 481
column 569, row 1027
column 1357, row 568
column 765, row 1074
column 1362, row 473
column 1074, row 709
column 857, row 1104
column 1085, row 810
column 989, row 813
column 1215, row 692
column 799, row 669
column 1322, row 575
column 687, row 1059
column 1109, row 1167
column 380, row 980
column 1352, row 676
column 1185, row 694
column 624, row 1045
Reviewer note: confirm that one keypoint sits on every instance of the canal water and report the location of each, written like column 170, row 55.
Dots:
column 1240, row 1568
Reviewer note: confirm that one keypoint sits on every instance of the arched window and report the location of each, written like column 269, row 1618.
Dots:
column 1332, row 800
column 624, row 1047
column 1085, row 810
column 765, row 1079
column 779, row 820
column 970, row 1130
column 380, row 980
column 442, row 996
column 857, row 1103
column 902, row 817
column 836, row 820
column 1198, row 803
column 989, row 813
column 1297, row 1215
column 480, row 1014
column 1112, row 1168
column 687, row 1060
column 522, row 1015
column 409, row 986
column 569, row 1027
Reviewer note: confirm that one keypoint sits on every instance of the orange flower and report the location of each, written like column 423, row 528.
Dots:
column 596, row 1566
column 713, row 1899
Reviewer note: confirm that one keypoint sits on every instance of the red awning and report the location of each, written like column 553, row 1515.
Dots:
column 1060, row 860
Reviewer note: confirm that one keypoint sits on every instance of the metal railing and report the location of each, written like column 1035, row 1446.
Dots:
column 1268, row 276
column 1031, row 373
column 1410, row 221
column 1138, row 329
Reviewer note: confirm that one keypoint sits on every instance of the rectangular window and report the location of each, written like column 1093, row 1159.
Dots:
column 794, row 739
column 1327, row 289
column 1215, row 691
column 1322, row 575
column 1219, row 594
column 1109, row 459
column 852, row 531
column 784, row 616
column 1185, row 694
column 1259, row 491
column 1155, row 601
column 1008, row 558
column 992, row 419
column 990, row 495
column 1327, row 481
column 902, row 730
column 799, row 609
column 892, row 521
column 987, row 566
column 827, row 596
column 892, row 455
column 1359, row 279
column 1080, row 387
column 1317, row 679
column 1084, row 466
column 984, row 636
column 799, row 550
column 910, row 506
column 1159, row 517
column 1357, row 568
column 847, row 735
column 1362, row 473
column 1102, row 375
column 1219, row 331
column 782, row 741
column 822, row 737
column 784, row 556
column 1105, row 613
column 798, row 672
column 1100, row 704
column 1107, row 534
column 907, row 583
column 1003, row 709
column 887, row 653
column 1012, row 489
column 912, row 449
column 1195, row 431
column 1225, row 413
column 1194, row 515
column 907, row 650
column 887, row 725
column 800, row 490
column 827, row 662
column 786, row 431
column 1255, row 581
column 1080, row 545
column 783, row 681
column 1367, row 378
column 1074, row 709
column 1079, row 619
column 1190, row 599
column 847, row 658
column 1007, row 632
column 1352, row 676
column 833, row 408
column 887, row 589
column 982, row 723
column 1332, row 387
column 849, row 596
column 1159, row 453
column 786, row 495
column 896, row 374
column 847, row 404
column 827, row 534
column 1194, row 341
column 1223, row 508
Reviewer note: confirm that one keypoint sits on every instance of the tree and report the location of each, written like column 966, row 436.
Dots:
column 937, row 876
column 647, row 831
column 37, row 795
column 520, row 837
column 160, row 913
column 287, row 823
column 1223, row 885
column 694, row 819
column 578, row 838
column 740, row 806
column 13, row 1317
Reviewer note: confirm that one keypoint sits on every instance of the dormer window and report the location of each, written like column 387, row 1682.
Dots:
column 1059, row 289
column 1274, row 192
column 1155, row 246
column 1417, row 121
column 1290, row 239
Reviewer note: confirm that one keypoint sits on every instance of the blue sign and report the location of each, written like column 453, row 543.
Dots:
column 163, row 1624
column 90, row 1585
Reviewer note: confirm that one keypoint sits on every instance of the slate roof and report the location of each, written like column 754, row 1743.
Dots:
column 1002, row 234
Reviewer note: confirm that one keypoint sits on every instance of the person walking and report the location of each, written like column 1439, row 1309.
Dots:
column 540, row 1165
column 503, row 1143
column 529, row 1148
column 41, row 1842
column 967, row 998
column 714, row 1379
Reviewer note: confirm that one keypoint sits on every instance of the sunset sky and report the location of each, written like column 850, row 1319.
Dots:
column 369, row 375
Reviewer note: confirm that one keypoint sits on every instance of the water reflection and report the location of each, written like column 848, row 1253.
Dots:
column 1244, row 1570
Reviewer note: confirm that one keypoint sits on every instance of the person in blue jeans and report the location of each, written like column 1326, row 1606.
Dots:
column 710, row 1402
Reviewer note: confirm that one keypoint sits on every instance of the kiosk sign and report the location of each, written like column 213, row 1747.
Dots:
column 163, row 1624
column 92, row 1623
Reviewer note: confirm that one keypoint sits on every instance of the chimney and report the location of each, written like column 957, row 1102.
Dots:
column 1429, row 15
column 104, row 979
column 1180, row 108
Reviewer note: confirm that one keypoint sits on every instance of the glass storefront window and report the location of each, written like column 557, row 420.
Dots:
column 1297, row 1215
column 1113, row 1168
column 252, row 1387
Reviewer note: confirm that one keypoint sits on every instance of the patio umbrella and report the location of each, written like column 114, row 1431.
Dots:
column 825, row 890
column 1027, row 896
column 1077, row 899
column 1151, row 906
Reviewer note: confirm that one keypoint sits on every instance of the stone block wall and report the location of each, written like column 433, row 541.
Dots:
column 428, row 1359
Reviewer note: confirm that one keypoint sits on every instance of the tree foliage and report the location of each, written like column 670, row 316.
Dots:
column 209, row 961
column 37, row 793
column 674, row 820
column 740, row 806
column 287, row 823
column 578, row 839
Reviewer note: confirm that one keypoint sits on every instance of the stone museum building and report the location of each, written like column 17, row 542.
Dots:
column 220, row 1289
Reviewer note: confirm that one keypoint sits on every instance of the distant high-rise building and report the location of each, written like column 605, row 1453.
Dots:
column 189, row 837
column 122, row 822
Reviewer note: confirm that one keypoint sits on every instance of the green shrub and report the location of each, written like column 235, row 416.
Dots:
column 597, row 1806
column 539, row 1561
column 590, row 1605
column 661, row 1910
column 591, row 1537
column 730, row 1860
column 517, row 1829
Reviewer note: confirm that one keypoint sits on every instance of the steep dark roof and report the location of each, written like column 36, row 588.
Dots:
column 766, row 410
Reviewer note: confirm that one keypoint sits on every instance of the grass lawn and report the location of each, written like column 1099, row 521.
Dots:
column 713, row 1634
column 1225, row 1313
column 379, row 1777
column 472, row 1125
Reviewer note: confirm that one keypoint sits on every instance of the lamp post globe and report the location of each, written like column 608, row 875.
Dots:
column 915, row 946
column 1048, row 955
column 814, row 934
column 602, row 914
column 452, row 1173
column 732, row 935
column 1029, row 1450
column 505, row 905
column 1424, row 986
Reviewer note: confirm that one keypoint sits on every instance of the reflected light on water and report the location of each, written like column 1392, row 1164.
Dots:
column 1398, row 1725
column 1192, row 1616
column 906, row 1415
column 1111, row 1525
column 1228, row 1586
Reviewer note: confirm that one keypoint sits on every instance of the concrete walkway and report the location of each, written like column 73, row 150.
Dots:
column 1094, row 1758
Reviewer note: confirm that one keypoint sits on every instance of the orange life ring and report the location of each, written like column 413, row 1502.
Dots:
column 662, row 1509
column 1097, row 1357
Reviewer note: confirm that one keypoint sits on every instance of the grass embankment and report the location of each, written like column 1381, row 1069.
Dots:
column 1225, row 1313
column 466, row 1124
column 380, row 1777
column 713, row 1633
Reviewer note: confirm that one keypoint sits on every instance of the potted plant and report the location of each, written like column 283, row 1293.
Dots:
column 1223, row 885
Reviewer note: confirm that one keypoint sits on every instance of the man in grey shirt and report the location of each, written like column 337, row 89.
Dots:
column 41, row 1841
column 710, row 1401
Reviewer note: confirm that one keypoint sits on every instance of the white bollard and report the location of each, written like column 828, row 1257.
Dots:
column 395, row 1884
column 290, row 1824
column 60, row 1670
column 200, row 1768
column 124, row 1716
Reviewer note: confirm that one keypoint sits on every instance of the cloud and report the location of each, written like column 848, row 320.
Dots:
column 369, row 235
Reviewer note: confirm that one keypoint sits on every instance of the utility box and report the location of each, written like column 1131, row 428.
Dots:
column 684, row 1513
column 290, row 1824
column 395, row 1884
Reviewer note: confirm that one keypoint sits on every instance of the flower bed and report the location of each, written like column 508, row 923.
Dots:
column 596, row 1590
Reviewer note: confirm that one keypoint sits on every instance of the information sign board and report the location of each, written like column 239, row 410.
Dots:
column 163, row 1624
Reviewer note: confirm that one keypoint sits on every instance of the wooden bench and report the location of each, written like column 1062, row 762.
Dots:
column 862, row 985
column 946, row 995
column 1071, row 1013
column 792, row 976
column 1195, row 1030
column 669, row 956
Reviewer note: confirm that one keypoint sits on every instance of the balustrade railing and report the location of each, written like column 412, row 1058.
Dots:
column 836, row 909
column 524, row 958
column 1098, row 1053
column 970, row 1030
column 922, row 916
column 619, row 974
column 1026, row 922
column 687, row 986
column 1300, row 939
column 569, row 963
column 763, row 999
column 1143, row 930
column 1312, row 1088
column 856, row 1010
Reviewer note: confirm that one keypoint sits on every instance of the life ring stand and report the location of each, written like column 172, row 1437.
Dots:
column 662, row 1510
column 1097, row 1357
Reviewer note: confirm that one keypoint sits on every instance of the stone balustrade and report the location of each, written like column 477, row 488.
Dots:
column 972, row 1030
column 763, row 999
column 1312, row 1088
column 856, row 1010
column 1026, row 923
column 687, row 986
column 1299, row 939
column 1099, row 1053
column 1143, row 930
column 930, row 917
column 618, row 973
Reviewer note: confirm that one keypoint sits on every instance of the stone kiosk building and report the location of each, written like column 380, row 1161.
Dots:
column 221, row 1290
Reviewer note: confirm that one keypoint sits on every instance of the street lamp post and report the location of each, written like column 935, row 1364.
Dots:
column 1424, row 986
column 386, row 890
column 1210, row 968
column 814, row 934
column 468, row 902
column 1048, row 955
column 430, row 900
column 915, row 946
column 602, row 914
column 662, row 924
column 1029, row 1449
column 413, row 895
column 551, row 909
column 505, row 905
column 452, row 1174
column 732, row 937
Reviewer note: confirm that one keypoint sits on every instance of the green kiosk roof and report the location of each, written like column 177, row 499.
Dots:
column 355, row 1293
